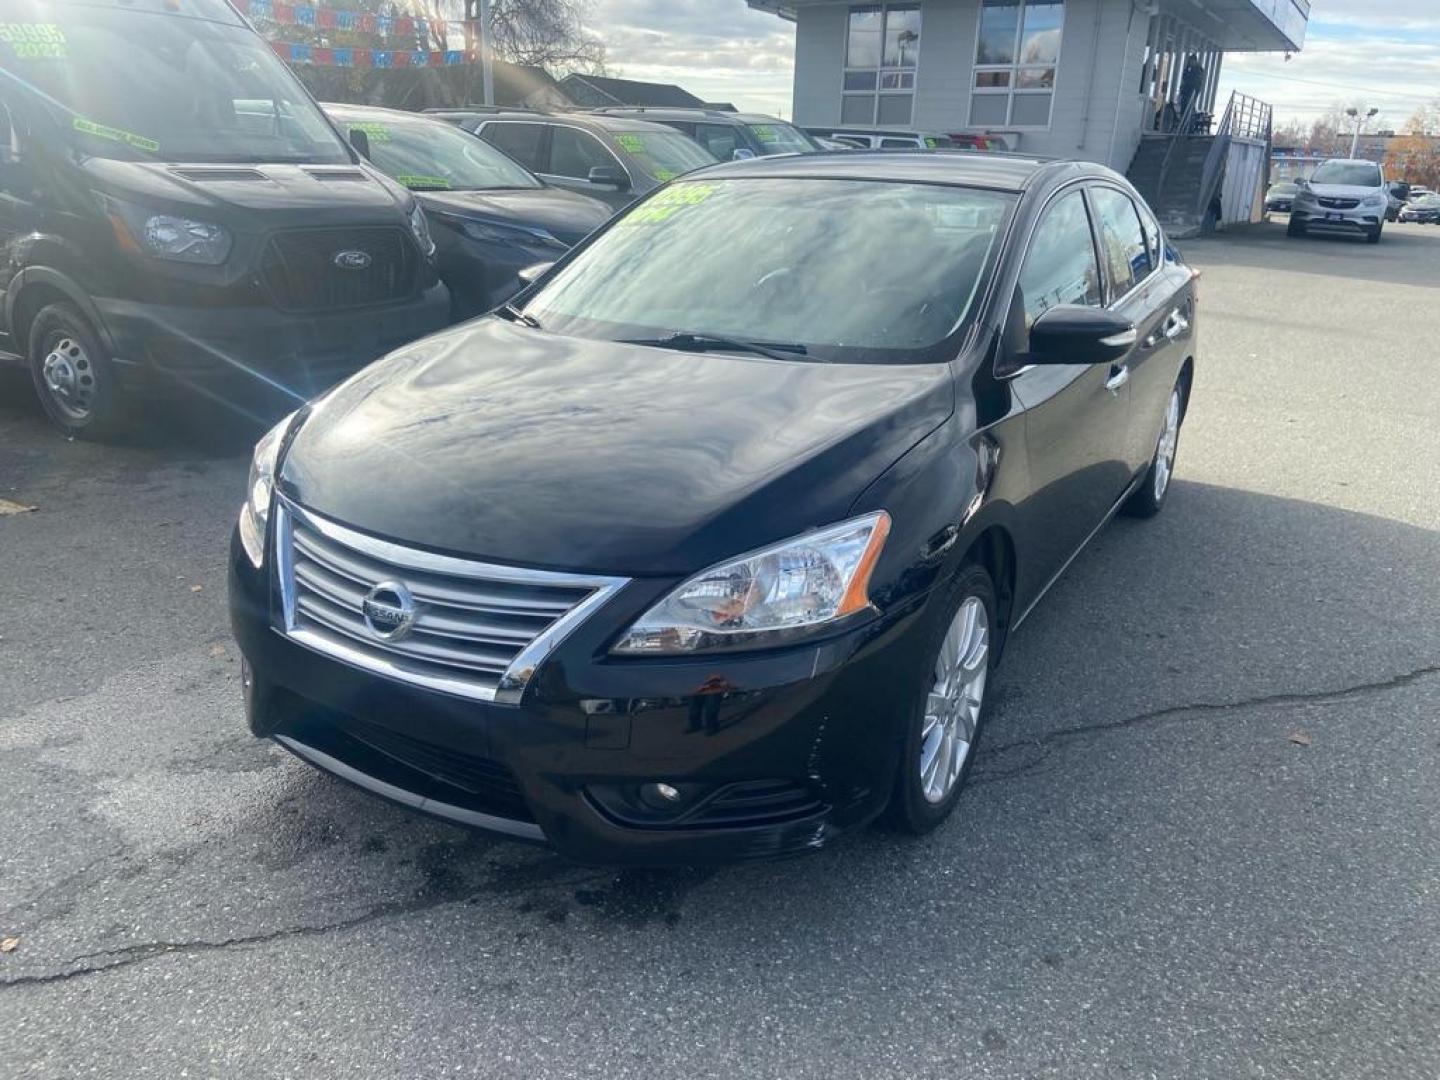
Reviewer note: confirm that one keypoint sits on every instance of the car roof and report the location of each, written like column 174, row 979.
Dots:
column 339, row 108
column 964, row 168
column 579, row 119
column 679, row 113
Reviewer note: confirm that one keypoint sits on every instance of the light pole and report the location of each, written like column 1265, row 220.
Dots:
column 1354, row 114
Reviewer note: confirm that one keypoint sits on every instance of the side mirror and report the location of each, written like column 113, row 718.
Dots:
column 742, row 154
column 360, row 140
column 610, row 176
column 534, row 273
column 1070, row 334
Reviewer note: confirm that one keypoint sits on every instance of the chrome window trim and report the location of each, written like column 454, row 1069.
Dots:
column 512, row 683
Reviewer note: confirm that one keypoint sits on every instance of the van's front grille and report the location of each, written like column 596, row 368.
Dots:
column 473, row 629
column 331, row 269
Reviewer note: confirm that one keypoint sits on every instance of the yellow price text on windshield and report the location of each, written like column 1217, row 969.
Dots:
column 631, row 144
column 376, row 132
column 664, row 175
column 103, row 131
column 34, row 41
column 765, row 133
column 666, row 204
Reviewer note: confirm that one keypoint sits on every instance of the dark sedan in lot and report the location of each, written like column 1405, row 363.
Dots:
column 490, row 217
column 706, row 547
column 1422, row 211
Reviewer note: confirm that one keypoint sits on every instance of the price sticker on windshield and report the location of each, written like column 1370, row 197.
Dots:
column 114, row 134
column 34, row 41
column 666, row 204
column 631, row 144
column 423, row 183
column 375, row 132
column 765, row 133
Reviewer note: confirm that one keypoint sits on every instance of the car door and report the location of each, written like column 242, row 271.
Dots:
column 1153, row 299
column 1077, row 416
column 19, row 212
column 573, row 153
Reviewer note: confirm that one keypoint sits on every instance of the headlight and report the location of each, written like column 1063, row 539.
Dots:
column 169, row 236
column 421, row 228
column 255, row 514
column 770, row 597
column 496, row 233
column 1376, row 200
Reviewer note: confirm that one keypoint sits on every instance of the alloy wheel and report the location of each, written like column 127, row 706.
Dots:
column 1165, row 451
column 952, row 707
column 70, row 378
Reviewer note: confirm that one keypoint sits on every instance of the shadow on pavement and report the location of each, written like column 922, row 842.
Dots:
column 1406, row 255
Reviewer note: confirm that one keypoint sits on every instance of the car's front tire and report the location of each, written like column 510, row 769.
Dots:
column 1149, row 497
column 945, row 716
column 1296, row 229
column 1373, row 236
column 73, row 375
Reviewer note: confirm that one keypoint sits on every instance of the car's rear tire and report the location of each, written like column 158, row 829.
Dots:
column 1149, row 497
column 1295, row 229
column 73, row 375
column 946, row 714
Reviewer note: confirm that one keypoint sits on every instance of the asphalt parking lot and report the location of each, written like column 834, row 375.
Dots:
column 1203, row 839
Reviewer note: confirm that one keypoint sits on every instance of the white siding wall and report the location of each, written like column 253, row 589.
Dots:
column 1097, row 109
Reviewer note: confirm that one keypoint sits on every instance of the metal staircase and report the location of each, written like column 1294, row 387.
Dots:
column 1197, row 182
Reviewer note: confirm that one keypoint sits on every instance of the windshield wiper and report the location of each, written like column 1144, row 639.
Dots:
column 514, row 314
column 687, row 342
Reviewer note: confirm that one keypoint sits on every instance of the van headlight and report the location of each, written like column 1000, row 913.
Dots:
column 421, row 229
column 260, row 492
column 770, row 597
column 168, row 236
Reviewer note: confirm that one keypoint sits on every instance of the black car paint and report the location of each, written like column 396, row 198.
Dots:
column 170, row 324
column 592, row 455
column 482, row 274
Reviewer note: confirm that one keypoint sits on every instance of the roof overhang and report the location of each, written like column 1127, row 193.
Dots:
column 1234, row 25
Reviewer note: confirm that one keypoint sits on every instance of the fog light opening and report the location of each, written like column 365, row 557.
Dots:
column 663, row 795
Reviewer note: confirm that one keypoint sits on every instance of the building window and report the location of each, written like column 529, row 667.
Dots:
column 1016, row 53
column 881, row 52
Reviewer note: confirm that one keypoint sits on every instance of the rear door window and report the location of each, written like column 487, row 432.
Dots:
column 521, row 141
column 1122, row 240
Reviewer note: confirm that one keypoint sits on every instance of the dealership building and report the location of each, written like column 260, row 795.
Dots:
column 1061, row 78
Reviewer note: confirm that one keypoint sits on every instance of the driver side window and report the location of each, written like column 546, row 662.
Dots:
column 1061, row 267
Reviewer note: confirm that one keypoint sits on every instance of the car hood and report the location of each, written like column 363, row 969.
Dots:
column 284, row 194
column 1343, row 191
column 566, row 215
column 514, row 445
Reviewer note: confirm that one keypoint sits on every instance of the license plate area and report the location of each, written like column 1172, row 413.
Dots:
column 1334, row 217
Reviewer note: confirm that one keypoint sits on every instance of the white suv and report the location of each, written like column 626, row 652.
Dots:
column 1343, row 194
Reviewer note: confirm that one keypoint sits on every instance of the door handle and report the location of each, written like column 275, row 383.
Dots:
column 1176, row 325
column 1119, row 376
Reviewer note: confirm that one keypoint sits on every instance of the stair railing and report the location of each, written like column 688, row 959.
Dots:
column 1187, row 118
column 1245, row 118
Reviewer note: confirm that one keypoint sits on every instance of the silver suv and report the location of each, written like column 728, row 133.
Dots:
column 1345, row 195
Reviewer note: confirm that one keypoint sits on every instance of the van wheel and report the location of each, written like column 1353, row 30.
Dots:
column 947, row 711
column 73, row 376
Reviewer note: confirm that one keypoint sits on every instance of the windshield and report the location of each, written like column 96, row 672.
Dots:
column 128, row 84
column 1348, row 173
column 430, row 155
column 854, row 270
column 663, row 155
column 1427, row 202
column 780, row 138
column 1284, row 189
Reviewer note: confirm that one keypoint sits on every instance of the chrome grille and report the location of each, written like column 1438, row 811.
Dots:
column 1339, row 204
column 479, row 631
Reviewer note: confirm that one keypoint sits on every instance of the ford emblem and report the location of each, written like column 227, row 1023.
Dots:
column 352, row 260
column 389, row 610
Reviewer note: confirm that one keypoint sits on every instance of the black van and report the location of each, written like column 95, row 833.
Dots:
column 176, row 211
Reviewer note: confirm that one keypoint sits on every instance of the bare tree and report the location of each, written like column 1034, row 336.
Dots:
column 1415, row 155
column 545, row 33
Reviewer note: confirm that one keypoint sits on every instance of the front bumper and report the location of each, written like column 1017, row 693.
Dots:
column 1360, row 219
column 776, row 754
column 260, row 352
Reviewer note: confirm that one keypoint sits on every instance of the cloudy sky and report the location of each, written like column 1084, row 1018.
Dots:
column 1382, row 53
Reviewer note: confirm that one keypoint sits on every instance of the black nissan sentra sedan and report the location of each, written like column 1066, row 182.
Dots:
column 707, row 546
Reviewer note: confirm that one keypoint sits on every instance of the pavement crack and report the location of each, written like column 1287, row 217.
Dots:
column 1044, row 741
